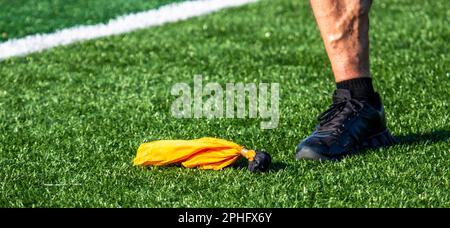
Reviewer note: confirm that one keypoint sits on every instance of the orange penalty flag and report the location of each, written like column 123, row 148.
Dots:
column 204, row 153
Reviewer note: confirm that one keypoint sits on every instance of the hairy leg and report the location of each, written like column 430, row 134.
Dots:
column 344, row 26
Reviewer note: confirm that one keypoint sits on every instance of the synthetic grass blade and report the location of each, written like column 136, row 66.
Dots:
column 204, row 153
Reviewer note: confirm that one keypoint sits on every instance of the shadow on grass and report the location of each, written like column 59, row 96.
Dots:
column 274, row 166
column 240, row 164
column 277, row 166
column 428, row 137
column 408, row 139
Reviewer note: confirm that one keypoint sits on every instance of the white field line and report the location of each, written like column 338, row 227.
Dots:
column 122, row 24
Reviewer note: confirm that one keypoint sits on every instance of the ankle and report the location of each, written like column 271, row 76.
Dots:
column 362, row 90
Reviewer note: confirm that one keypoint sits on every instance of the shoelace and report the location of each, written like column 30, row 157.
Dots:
column 328, row 120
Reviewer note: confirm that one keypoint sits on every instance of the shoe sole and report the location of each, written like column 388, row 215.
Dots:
column 381, row 139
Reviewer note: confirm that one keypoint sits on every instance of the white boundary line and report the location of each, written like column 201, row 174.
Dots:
column 122, row 24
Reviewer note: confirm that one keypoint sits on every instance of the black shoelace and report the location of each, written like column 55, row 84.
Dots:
column 334, row 117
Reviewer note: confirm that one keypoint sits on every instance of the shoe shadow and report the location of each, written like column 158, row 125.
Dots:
column 428, row 137
column 410, row 139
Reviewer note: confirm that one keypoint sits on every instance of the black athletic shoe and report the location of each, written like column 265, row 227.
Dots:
column 347, row 127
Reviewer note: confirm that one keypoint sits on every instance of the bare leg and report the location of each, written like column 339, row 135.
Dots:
column 344, row 26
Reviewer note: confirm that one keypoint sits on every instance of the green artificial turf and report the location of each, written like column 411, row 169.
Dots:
column 71, row 118
column 19, row 18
